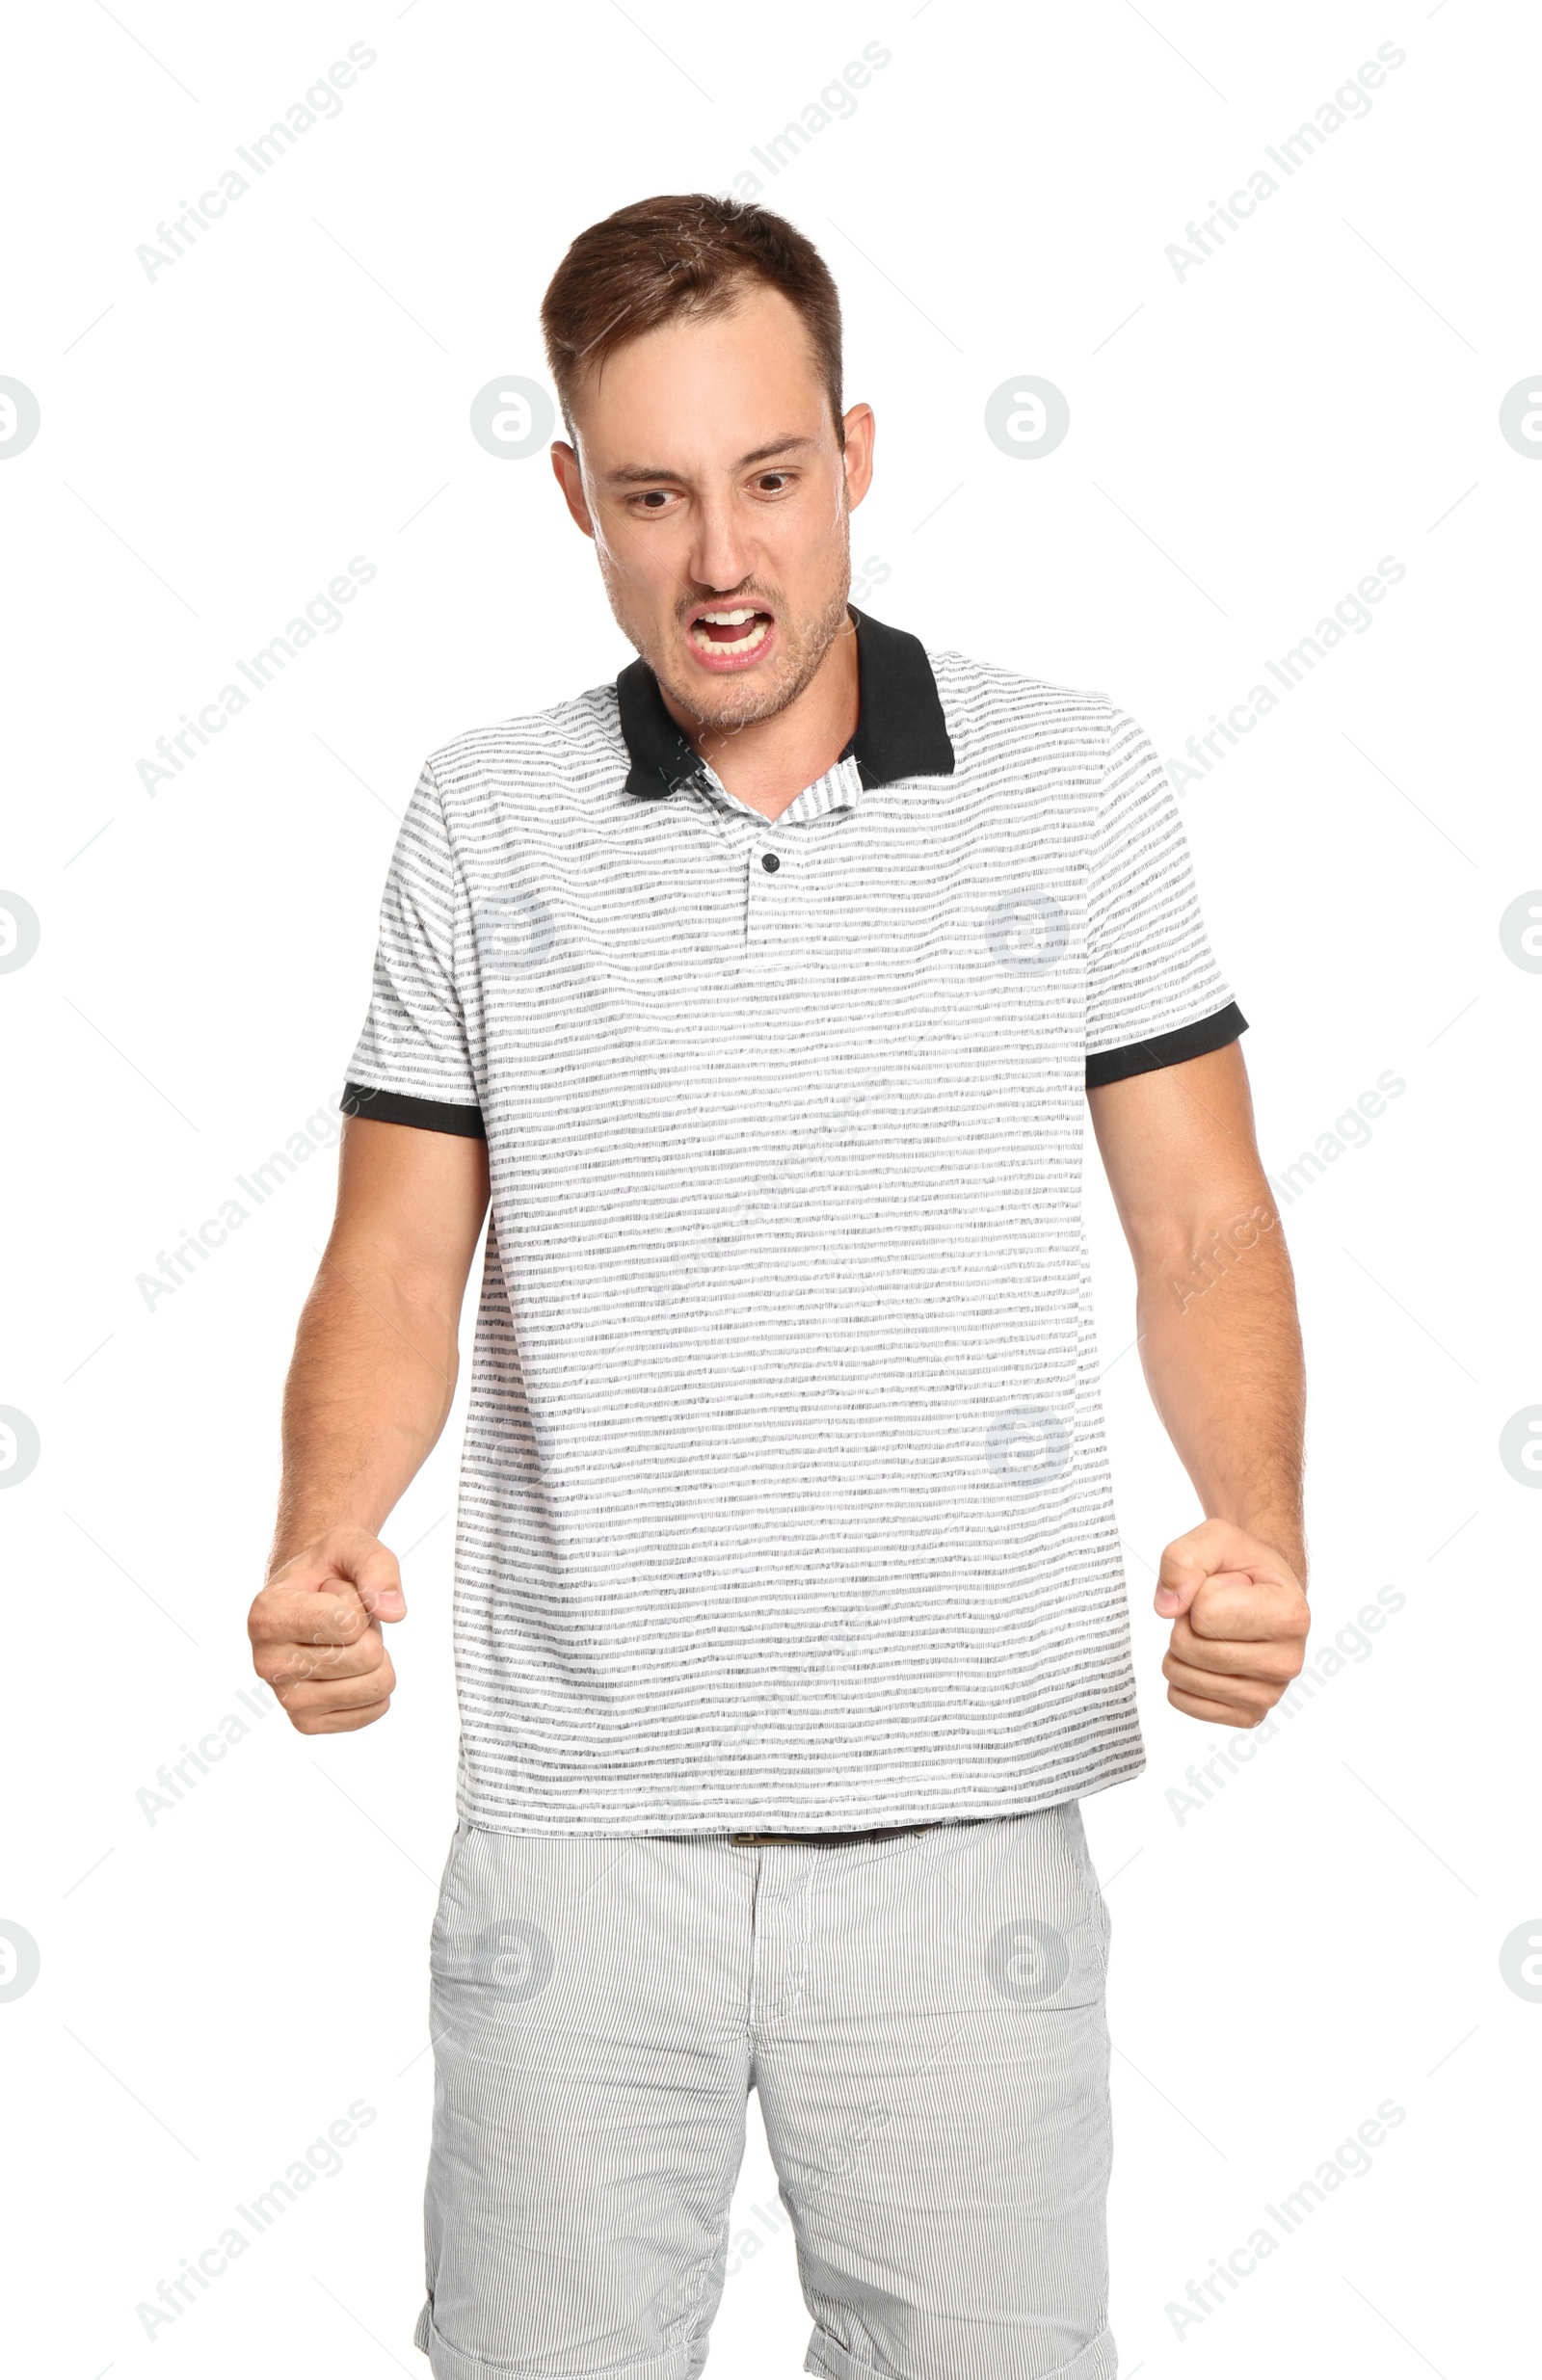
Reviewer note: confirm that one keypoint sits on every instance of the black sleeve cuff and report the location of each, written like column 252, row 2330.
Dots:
column 1189, row 1041
column 427, row 1115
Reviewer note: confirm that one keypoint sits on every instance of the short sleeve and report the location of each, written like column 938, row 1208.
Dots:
column 412, row 1063
column 1154, row 993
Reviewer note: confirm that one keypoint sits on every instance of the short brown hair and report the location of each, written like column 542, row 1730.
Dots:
column 663, row 257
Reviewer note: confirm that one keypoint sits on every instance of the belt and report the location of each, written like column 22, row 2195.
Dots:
column 866, row 1834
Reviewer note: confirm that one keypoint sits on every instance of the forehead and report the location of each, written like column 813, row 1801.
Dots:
column 705, row 391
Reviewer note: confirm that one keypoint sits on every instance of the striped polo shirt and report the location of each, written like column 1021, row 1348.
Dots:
column 785, row 1503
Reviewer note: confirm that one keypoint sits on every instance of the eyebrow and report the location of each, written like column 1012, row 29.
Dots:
column 640, row 474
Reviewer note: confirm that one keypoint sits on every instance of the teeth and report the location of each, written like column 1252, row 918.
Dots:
column 745, row 643
column 728, row 619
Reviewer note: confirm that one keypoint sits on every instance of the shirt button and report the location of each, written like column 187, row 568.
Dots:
column 770, row 862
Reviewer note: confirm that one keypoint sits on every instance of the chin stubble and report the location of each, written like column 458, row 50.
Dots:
column 744, row 704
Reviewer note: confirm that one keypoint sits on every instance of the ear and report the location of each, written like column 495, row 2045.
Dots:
column 861, row 429
column 570, row 479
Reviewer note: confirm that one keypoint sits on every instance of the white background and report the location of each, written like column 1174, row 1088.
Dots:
column 1246, row 443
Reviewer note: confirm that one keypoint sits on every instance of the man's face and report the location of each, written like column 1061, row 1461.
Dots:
column 709, row 475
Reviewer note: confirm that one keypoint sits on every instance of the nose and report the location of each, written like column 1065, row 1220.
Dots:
column 722, row 556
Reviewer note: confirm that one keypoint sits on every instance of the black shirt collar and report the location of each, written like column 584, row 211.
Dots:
column 900, row 727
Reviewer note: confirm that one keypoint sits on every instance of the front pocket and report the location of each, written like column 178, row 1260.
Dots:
column 455, row 1862
column 1094, row 1907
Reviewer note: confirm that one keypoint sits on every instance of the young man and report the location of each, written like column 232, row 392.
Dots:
column 766, row 988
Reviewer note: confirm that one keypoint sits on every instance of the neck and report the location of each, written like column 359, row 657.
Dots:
column 768, row 763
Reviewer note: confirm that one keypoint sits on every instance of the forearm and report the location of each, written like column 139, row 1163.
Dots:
column 1221, row 1346
column 369, row 1391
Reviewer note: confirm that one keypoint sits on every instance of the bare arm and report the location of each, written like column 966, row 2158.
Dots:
column 376, row 1353
column 1221, row 1348
column 369, row 1387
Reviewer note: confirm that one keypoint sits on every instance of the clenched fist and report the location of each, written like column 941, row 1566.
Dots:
column 1240, row 1625
column 315, row 1632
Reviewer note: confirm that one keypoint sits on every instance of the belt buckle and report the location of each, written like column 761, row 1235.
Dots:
column 830, row 1834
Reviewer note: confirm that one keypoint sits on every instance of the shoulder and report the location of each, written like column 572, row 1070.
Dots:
column 996, row 711
column 568, row 747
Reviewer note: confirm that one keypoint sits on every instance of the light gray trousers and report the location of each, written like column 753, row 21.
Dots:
column 923, row 2020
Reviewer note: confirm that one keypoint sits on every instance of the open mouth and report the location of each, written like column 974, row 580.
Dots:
column 729, row 635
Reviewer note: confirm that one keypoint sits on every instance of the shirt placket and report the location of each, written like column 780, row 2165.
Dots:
column 771, row 867
column 773, row 851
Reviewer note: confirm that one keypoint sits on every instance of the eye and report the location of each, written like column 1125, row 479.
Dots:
column 772, row 482
column 654, row 501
